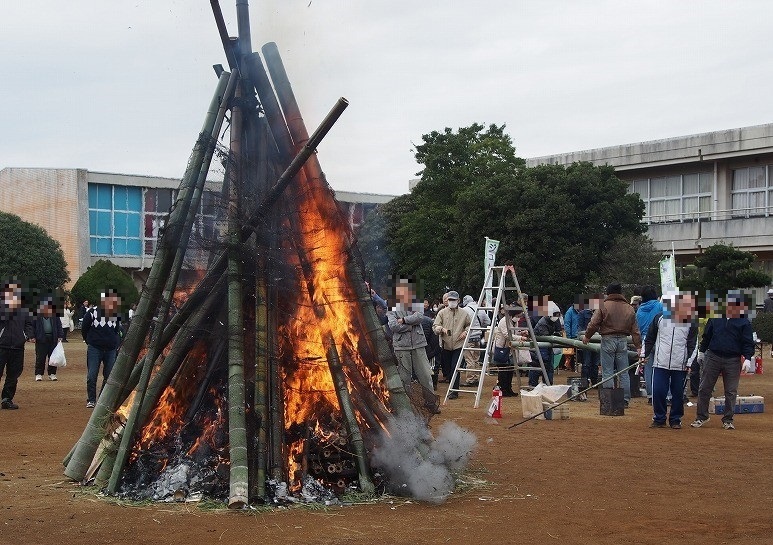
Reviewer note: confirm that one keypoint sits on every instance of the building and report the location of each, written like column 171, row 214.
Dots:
column 698, row 190
column 100, row 215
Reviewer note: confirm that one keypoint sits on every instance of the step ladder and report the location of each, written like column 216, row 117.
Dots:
column 499, row 291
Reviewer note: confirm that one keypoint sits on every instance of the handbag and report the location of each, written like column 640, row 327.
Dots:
column 502, row 355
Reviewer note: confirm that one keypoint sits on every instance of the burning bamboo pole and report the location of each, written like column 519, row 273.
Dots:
column 261, row 391
column 149, row 299
column 345, row 401
column 155, row 347
column 237, row 427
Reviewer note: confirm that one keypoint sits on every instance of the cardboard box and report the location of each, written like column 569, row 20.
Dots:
column 743, row 405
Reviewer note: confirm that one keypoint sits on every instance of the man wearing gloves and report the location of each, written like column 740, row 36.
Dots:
column 670, row 343
column 450, row 326
column 409, row 342
column 724, row 341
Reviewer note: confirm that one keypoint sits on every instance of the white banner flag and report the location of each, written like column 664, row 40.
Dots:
column 489, row 259
column 668, row 275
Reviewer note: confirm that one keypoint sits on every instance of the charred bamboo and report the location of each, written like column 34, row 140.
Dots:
column 149, row 299
column 345, row 401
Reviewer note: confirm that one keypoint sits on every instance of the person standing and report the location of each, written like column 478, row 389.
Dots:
column 725, row 340
column 670, row 343
column 102, row 333
column 509, row 359
column 767, row 306
column 409, row 342
column 48, row 333
column 649, row 308
column 450, row 326
column 15, row 329
column 589, row 359
column 571, row 323
column 615, row 320
column 546, row 326
column 479, row 319
column 66, row 321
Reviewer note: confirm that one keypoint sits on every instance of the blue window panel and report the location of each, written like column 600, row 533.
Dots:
column 104, row 247
column 119, row 197
column 119, row 246
column 104, row 196
column 119, row 224
column 134, row 246
column 93, row 195
column 133, row 225
column 93, row 244
column 134, row 199
column 103, row 224
column 92, row 223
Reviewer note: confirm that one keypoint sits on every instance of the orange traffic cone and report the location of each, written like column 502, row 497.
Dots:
column 495, row 409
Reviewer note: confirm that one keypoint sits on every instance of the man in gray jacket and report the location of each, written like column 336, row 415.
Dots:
column 408, row 341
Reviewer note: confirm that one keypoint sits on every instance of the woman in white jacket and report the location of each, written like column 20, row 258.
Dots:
column 672, row 338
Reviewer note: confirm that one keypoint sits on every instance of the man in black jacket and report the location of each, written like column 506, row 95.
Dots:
column 102, row 333
column 15, row 330
column 723, row 343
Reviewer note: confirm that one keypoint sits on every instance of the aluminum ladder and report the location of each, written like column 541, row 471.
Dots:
column 499, row 297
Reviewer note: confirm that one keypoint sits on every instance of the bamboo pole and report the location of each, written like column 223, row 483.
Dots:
column 230, row 54
column 155, row 347
column 261, row 368
column 135, row 337
column 345, row 401
column 237, row 427
column 243, row 25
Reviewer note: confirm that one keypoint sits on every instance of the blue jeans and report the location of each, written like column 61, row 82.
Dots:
column 95, row 356
column 590, row 366
column 547, row 359
column 614, row 358
column 663, row 382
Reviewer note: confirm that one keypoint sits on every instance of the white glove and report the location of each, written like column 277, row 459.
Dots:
column 747, row 366
column 701, row 357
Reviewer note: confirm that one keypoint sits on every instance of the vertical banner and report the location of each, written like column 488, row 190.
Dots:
column 668, row 275
column 489, row 259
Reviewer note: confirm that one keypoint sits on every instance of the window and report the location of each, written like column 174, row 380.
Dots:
column 675, row 198
column 114, row 220
column 157, row 205
column 752, row 191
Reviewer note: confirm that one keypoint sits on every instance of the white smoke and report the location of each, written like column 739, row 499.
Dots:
column 418, row 465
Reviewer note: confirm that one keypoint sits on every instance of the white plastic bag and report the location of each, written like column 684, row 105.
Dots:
column 57, row 359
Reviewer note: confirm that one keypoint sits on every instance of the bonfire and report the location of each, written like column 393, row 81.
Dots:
column 273, row 381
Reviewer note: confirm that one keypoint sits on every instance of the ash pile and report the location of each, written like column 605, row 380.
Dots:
column 272, row 380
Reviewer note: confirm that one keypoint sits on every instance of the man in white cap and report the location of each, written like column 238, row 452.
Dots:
column 450, row 326
column 767, row 306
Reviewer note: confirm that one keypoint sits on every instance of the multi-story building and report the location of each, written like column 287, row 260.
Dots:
column 99, row 215
column 698, row 190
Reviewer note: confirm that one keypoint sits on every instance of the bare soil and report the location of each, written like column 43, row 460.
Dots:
column 588, row 479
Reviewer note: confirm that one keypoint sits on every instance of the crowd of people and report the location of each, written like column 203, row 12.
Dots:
column 683, row 344
column 47, row 327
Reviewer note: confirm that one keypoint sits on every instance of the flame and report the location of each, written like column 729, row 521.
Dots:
column 211, row 425
column 325, row 306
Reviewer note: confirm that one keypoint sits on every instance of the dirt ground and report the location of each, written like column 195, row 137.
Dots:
column 588, row 479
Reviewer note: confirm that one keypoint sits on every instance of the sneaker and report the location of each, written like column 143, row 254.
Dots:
column 8, row 404
column 52, row 377
column 698, row 423
column 728, row 426
column 453, row 395
column 654, row 424
column 676, row 426
column 38, row 378
column 90, row 405
column 626, row 404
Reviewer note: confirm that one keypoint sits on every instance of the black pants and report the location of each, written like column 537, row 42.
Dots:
column 12, row 363
column 448, row 359
column 65, row 331
column 43, row 350
column 695, row 377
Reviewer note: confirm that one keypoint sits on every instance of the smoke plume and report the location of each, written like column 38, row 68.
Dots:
column 418, row 465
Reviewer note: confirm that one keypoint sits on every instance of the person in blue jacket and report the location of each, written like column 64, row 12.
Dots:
column 649, row 308
column 588, row 359
column 571, row 321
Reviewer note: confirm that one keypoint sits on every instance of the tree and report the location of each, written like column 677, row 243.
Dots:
column 104, row 274
column 373, row 246
column 721, row 268
column 27, row 252
column 631, row 259
column 554, row 223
